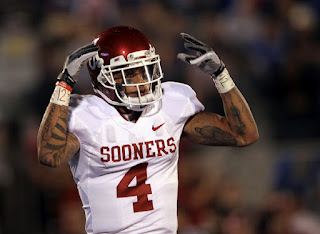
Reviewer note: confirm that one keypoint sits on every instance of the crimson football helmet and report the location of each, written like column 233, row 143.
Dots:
column 123, row 49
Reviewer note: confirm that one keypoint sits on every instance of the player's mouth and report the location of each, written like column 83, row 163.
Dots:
column 135, row 94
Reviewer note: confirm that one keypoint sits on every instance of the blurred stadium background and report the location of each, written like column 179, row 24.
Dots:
column 272, row 50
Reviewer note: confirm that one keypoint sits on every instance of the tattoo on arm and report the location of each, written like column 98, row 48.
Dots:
column 216, row 136
column 239, row 125
column 47, row 124
column 236, row 114
column 236, row 128
column 57, row 144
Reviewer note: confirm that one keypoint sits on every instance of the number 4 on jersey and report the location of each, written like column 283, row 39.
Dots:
column 141, row 190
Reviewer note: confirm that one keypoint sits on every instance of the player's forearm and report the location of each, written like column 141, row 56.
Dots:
column 239, row 117
column 52, row 135
column 55, row 144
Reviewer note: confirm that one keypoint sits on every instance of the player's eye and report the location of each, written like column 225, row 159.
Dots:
column 129, row 81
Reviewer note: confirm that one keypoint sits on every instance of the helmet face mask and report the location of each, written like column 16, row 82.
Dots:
column 126, row 71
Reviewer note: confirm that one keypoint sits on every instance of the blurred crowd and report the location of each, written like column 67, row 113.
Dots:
column 272, row 51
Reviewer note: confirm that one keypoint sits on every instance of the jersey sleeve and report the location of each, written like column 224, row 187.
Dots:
column 79, row 116
column 75, row 101
column 180, row 101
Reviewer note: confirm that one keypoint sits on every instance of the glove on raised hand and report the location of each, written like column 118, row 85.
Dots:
column 208, row 61
column 75, row 62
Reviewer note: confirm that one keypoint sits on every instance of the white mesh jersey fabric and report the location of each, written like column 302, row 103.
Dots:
column 126, row 172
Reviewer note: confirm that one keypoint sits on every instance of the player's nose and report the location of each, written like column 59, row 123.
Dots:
column 144, row 89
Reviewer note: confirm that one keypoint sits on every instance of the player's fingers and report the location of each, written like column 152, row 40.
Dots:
column 191, row 39
column 88, row 55
column 90, row 49
column 185, row 57
column 209, row 55
column 197, row 48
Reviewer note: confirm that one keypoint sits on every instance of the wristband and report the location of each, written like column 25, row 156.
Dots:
column 61, row 94
column 223, row 82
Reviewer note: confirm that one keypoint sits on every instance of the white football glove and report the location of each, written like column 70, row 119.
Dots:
column 205, row 58
column 208, row 61
column 75, row 62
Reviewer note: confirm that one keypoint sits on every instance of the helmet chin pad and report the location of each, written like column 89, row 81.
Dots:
column 136, row 108
column 144, row 99
column 148, row 98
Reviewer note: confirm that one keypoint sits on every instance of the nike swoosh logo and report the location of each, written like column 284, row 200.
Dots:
column 156, row 128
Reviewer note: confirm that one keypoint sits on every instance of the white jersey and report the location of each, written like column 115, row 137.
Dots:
column 126, row 172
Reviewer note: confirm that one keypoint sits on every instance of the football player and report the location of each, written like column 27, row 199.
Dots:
column 122, row 143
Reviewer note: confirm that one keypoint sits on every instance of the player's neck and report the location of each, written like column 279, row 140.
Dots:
column 128, row 115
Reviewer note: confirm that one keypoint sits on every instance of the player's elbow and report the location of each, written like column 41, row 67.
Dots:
column 249, row 139
column 49, row 164
column 48, row 160
column 253, row 139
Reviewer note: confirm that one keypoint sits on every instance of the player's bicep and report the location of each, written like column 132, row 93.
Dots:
column 209, row 129
column 72, row 146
